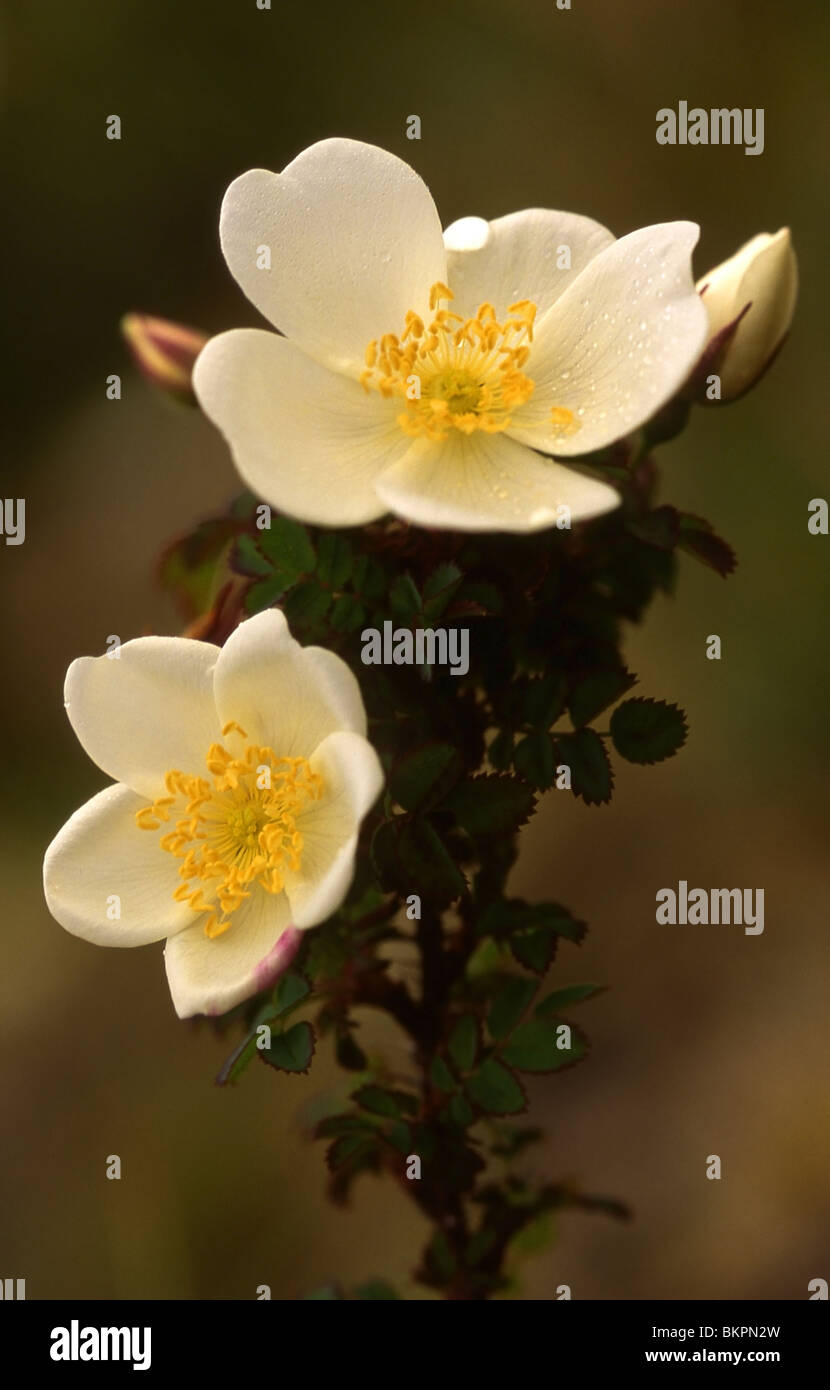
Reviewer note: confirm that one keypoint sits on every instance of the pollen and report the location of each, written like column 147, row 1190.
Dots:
column 235, row 828
column 454, row 373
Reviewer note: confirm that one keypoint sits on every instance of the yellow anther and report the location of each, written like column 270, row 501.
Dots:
column 371, row 354
column 233, row 727
column 563, row 421
column 439, row 291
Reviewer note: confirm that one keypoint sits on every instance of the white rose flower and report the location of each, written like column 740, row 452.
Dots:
column 759, row 283
column 242, row 775
column 424, row 373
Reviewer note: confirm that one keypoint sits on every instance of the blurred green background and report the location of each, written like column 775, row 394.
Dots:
column 707, row 1041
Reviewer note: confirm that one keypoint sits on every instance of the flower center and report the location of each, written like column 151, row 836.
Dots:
column 454, row 373
column 236, row 829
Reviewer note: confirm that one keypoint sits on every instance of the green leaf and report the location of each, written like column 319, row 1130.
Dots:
column 441, row 579
column 429, row 868
column 421, row 772
column 594, row 694
column 307, row 604
column 463, row 1042
column 508, row 915
column 291, row 1050
column 350, row 1146
column 439, row 1260
column 439, row 589
column 247, row 559
column 481, row 1243
column 533, row 1238
column 534, row 947
column 479, row 596
column 441, row 1076
column 509, row 1004
column 349, row 1055
column 369, row 578
column 500, row 752
column 535, row 1047
column 563, row 998
column 557, row 918
column 544, row 701
column 512, row 1140
column 380, row 1101
column 348, row 614
column 697, row 537
column 289, row 990
column 385, row 855
column 286, row 544
column 459, row 1111
column 493, row 804
column 266, row 592
column 534, row 758
column 647, row 731
column 335, row 559
column 404, row 599
column 495, row 1090
column 400, row 1136
column 376, row 1290
column 189, row 565
column 659, row 527
column 584, row 753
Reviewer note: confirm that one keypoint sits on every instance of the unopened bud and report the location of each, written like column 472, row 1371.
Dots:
column 750, row 300
column 165, row 352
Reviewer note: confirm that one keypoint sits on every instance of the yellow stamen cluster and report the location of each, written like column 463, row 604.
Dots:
column 454, row 373
column 236, row 829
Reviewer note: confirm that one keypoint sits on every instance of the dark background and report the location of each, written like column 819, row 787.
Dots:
column 707, row 1041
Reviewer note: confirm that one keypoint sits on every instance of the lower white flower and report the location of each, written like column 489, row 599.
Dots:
column 426, row 373
column 243, row 773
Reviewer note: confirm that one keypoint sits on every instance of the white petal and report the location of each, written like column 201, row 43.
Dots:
column 101, row 854
column 516, row 257
column 283, row 695
column 309, row 441
column 488, row 482
column 352, row 779
column 147, row 711
column 618, row 343
column 210, row 975
column 355, row 241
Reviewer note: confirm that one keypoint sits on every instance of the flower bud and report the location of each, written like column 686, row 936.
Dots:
column 165, row 352
column 750, row 300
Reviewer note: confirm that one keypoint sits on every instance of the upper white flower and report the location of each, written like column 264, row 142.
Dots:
column 243, row 773
column 424, row 372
